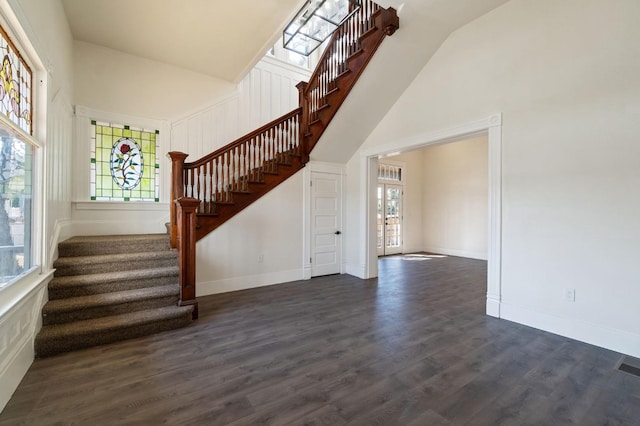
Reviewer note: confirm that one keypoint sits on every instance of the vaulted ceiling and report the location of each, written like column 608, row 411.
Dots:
column 223, row 39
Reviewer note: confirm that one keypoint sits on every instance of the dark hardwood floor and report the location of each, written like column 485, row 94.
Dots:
column 413, row 347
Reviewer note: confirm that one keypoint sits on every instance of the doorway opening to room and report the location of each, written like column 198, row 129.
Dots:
column 437, row 202
column 455, row 224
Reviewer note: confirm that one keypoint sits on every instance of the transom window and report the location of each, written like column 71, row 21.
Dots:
column 15, row 85
column 124, row 166
column 389, row 172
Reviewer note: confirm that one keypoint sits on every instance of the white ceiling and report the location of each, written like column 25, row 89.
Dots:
column 223, row 39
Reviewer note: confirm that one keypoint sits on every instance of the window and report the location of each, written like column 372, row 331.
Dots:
column 16, row 163
column 124, row 166
column 389, row 172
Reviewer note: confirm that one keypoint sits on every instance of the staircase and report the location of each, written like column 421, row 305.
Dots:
column 213, row 189
column 110, row 288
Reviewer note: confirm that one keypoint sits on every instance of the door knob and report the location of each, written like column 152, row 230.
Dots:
column 338, row 232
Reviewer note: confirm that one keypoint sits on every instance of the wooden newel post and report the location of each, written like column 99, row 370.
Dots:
column 389, row 21
column 177, row 191
column 186, row 209
column 304, row 121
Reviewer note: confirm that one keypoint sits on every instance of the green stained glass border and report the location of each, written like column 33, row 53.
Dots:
column 103, row 136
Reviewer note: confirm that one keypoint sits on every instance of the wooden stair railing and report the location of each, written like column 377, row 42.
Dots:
column 349, row 51
column 209, row 191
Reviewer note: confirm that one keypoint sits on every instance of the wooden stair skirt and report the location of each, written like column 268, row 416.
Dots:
column 209, row 191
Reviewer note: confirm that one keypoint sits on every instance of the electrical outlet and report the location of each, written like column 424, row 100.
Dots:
column 261, row 258
column 570, row 294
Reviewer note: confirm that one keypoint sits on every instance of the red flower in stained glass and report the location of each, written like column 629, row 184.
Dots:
column 124, row 148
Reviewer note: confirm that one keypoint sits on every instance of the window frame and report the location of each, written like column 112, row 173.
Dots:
column 18, row 39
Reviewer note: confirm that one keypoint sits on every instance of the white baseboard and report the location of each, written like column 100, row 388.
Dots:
column 610, row 338
column 249, row 281
column 459, row 253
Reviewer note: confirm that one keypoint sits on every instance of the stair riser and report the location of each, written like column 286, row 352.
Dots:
column 108, row 287
column 103, row 311
column 45, row 347
column 91, row 249
column 96, row 268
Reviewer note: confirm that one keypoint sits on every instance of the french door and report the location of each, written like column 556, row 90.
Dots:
column 389, row 219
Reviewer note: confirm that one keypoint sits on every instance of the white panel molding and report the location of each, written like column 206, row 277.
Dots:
column 226, row 285
column 20, row 306
column 194, row 112
column 611, row 338
column 492, row 126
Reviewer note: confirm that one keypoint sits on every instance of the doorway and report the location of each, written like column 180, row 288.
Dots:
column 389, row 219
column 492, row 127
column 326, row 223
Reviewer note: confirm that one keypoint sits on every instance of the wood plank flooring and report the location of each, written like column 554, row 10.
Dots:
column 413, row 347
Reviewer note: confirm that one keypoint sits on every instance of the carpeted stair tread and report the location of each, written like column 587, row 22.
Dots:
column 88, row 280
column 114, row 298
column 76, row 265
column 57, row 338
column 112, row 244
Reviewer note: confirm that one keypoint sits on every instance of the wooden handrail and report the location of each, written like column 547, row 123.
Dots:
column 240, row 140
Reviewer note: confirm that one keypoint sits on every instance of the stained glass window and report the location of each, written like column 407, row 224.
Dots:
column 124, row 166
column 15, row 85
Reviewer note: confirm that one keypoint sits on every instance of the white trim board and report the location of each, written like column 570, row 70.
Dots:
column 492, row 126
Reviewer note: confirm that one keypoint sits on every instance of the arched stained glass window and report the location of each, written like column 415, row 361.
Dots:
column 15, row 85
column 124, row 166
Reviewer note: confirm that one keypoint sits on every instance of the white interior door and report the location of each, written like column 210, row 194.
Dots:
column 326, row 223
column 389, row 219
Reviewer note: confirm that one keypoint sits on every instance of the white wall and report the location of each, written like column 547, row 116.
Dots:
column 261, row 245
column 565, row 76
column 113, row 81
column 42, row 26
column 267, row 92
column 456, row 198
